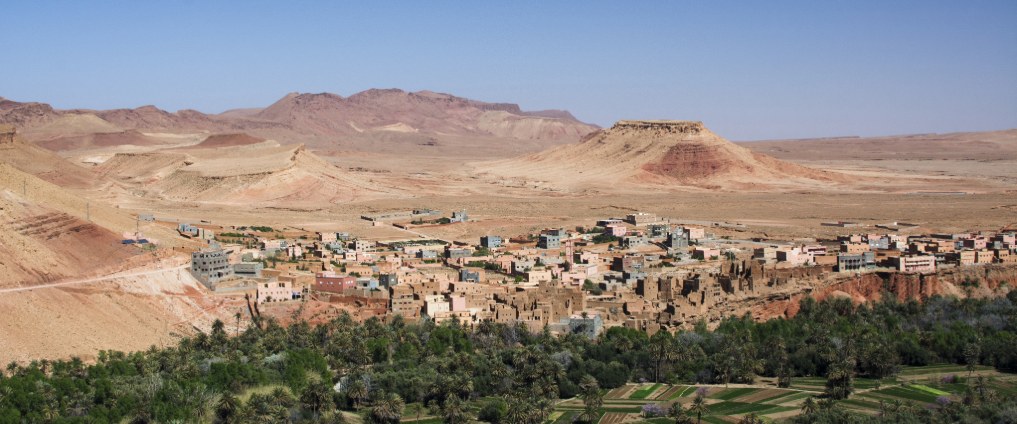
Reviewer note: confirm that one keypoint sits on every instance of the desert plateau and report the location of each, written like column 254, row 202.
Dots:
column 644, row 213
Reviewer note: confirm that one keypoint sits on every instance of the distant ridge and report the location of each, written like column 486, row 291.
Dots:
column 320, row 120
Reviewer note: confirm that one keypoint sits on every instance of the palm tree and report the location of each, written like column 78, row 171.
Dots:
column 623, row 343
column 454, row 411
column 415, row 408
column 205, row 400
column 809, row 406
column 593, row 399
column 357, row 392
column 971, row 353
column 518, row 411
column 228, row 409
column 752, row 418
column 699, row 408
column 317, row 398
column 389, row 409
column 840, row 379
column 677, row 411
column 980, row 387
column 334, row 417
column 659, row 351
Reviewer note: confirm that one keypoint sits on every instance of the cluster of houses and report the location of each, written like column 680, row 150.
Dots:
column 638, row 271
column 912, row 254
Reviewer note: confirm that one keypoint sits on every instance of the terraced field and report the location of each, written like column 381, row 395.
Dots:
column 920, row 386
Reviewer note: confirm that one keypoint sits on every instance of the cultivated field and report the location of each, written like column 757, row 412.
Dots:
column 920, row 386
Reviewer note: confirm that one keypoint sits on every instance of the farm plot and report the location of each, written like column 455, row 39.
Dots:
column 730, row 394
column 762, row 395
column 622, row 392
column 674, row 392
column 613, row 418
column 907, row 393
column 645, row 391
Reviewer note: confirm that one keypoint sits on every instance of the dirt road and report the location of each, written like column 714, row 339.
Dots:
column 126, row 274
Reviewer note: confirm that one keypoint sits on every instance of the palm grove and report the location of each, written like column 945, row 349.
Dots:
column 496, row 372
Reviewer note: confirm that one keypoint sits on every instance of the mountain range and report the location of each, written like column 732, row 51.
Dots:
column 321, row 121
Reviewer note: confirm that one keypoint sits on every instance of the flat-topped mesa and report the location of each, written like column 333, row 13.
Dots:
column 7, row 133
column 662, row 126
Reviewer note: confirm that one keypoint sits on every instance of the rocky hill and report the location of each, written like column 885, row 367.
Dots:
column 263, row 174
column 48, row 232
column 660, row 153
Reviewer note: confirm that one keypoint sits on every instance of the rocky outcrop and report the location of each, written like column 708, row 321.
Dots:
column 7, row 133
column 657, row 128
column 972, row 281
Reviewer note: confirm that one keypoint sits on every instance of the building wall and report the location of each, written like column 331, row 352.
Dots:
column 276, row 291
column 919, row 264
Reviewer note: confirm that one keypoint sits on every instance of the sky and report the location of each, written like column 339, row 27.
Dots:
column 749, row 69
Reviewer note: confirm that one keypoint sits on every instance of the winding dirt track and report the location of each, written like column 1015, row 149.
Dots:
column 94, row 280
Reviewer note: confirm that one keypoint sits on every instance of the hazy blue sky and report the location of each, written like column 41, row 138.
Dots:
column 750, row 70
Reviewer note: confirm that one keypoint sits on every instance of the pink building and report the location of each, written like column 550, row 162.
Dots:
column 539, row 275
column 294, row 251
column 1008, row 239
column 617, row 230
column 333, row 283
column 435, row 304
column 795, row 256
column 976, row 243
column 922, row 264
column 587, row 257
column 458, row 303
column 693, row 233
column 274, row 291
column 705, row 253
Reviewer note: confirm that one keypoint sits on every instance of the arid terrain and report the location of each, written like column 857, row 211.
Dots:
column 73, row 182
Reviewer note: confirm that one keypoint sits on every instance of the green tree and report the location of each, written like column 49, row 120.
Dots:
column 387, row 410
column 593, row 399
column 454, row 411
column 317, row 398
column 809, row 406
column 699, row 407
column 661, row 352
column 972, row 351
column 678, row 413
column 840, row 379
column 357, row 392
column 416, row 409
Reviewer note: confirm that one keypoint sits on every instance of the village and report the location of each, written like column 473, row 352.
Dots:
column 638, row 271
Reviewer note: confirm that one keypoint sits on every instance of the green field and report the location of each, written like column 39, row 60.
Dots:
column 733, row 393
column 645, row 392
column 916, row 385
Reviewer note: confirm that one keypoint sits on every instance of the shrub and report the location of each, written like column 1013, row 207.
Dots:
column 653, row 410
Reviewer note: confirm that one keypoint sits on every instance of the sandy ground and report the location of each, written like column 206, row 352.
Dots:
column 127, row 313
column 769, row 214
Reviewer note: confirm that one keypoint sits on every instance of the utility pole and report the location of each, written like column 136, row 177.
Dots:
column 24, row 188
column 88, row 211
